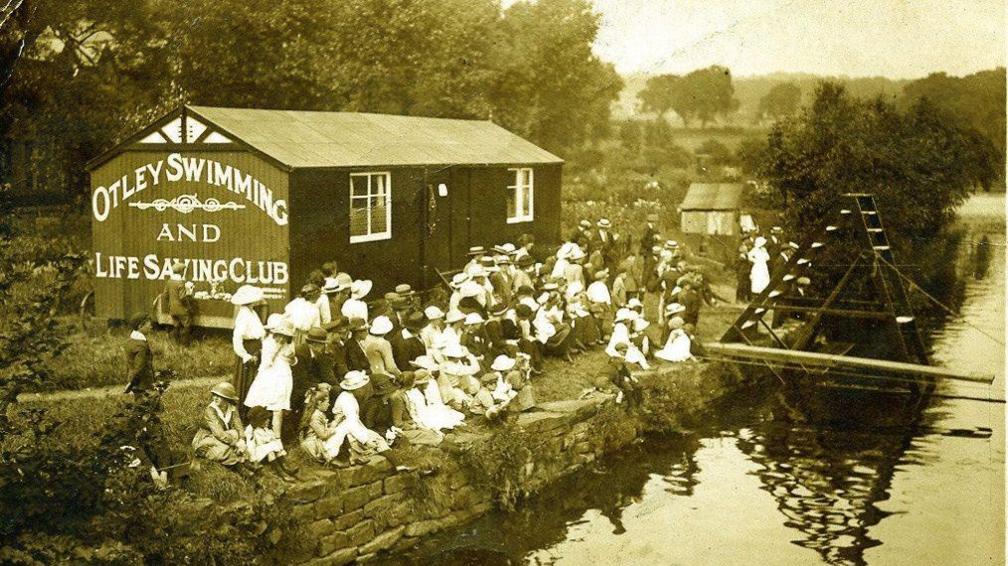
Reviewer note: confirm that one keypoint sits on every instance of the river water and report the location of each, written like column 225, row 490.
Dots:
column 758, row 488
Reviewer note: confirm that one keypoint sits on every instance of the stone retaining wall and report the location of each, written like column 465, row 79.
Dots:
column 352, row 514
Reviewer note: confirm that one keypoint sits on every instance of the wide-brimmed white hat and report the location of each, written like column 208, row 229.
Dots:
column 454, row 316
column 634, row 303
column 760, row 242
column 603, row 223
column 424, row 362
column 459, row 278
column 279, row 324
column 332, row 285
column 354, row 380
column 640, row 324
column 433, row 313
column 577, row 253
column 470, row 289
column 360, row 288
column 623, row 315
column 675, row 308
column 381, row 326
column 473, row 318
column 503, row 362
column 246, row 295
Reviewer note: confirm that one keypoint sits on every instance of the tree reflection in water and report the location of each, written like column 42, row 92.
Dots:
column 828, row 475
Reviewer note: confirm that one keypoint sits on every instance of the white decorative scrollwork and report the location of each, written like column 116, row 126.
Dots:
column 186, row 204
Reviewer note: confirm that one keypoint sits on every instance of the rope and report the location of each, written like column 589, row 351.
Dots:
column 947, row 309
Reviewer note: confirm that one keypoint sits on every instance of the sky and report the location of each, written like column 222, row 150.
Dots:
column 893, row 38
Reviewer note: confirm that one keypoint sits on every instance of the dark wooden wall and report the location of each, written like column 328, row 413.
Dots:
column 427, row 230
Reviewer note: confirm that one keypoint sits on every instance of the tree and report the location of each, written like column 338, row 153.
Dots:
column 920, row 163
column 658, row 94
column 703, row 94
column 631, row 136
column 782, row 100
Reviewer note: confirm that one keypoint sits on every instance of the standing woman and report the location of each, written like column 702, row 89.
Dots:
column 760, row 273
column 246, row 339
column 274, row 381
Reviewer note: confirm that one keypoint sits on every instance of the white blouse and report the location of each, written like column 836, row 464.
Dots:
column 247, row 326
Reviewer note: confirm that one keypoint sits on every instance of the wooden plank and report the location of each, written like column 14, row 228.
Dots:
column 829, row 360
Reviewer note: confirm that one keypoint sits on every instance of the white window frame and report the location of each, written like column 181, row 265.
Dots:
column 372, row 236
column 519, row 195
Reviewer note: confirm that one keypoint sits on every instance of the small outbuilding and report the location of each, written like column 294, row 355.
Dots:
column 266, row 196
column 711, row 211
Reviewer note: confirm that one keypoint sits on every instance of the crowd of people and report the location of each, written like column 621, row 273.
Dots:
column 343, row 375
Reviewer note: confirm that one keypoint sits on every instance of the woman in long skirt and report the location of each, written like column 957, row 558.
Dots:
column 760, row 273
column 246, row 339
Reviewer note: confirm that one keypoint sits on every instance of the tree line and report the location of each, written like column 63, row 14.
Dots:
column 79, row 75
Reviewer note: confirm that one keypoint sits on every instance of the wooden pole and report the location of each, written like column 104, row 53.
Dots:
column 816, row 359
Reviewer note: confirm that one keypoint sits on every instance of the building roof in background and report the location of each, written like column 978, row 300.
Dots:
column 713, row 196
column 303, row 139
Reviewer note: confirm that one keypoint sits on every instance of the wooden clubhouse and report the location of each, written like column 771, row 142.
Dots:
column 266, row 196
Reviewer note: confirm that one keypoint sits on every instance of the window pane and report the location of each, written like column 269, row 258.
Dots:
column 527, row 209
column 378, row 224
column 359, row 186
column 512, row 204
column 358, row 221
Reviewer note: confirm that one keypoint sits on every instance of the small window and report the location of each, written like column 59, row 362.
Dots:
column 370, row 207
column 520, row 196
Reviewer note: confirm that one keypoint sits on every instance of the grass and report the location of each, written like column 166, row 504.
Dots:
column 98, row 359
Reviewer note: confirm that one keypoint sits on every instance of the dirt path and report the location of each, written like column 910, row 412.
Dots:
column 111, row 391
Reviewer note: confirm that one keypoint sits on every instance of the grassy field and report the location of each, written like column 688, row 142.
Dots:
column 693, row 138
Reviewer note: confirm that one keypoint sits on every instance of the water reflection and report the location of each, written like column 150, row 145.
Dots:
column 981, row 257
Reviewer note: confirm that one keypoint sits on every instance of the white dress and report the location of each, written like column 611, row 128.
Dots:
column 273, row 383
column 677, row 347
column 621, row 335
column 433, row 415
column 760, row 273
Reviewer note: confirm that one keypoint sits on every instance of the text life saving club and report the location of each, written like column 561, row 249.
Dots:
column 176, row 168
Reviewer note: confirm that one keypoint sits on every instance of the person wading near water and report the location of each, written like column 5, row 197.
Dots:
column 246, row 339
column 139, row 357
column 181, row 308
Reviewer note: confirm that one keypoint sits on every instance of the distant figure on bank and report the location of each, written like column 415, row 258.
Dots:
column 180, row 304
column 139, row 358
column 760, row 273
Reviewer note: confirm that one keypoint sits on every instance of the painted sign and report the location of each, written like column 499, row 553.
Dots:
column 224, row 214
column 176, row 168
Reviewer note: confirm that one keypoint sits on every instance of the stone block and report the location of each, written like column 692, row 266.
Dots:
column 307, row 491
column 359, row 475
column 380, row 505
column 383, row 541
column 375, row 489
column 423, row 528
column 380, row 463
column 318, row 529
column 331, row 506
column 541, row 422
column 338, row 558
column 303, row 512
column 347, row 520
column 396, row 483
column 399, row 514
column 580, row 408
column 355, row 497
column 361, row 533
column 333, row 542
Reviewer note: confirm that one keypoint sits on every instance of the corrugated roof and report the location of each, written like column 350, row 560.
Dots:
column 301, row 139
column 713, row 196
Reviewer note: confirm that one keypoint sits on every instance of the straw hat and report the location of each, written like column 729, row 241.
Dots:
column 503, row 362
column 331, row 285
column 584, row 224
column 509, row 248
column 671, row 244
column 433, row 312
column 424, row 362
column 344, row 280
column 760, row 242
column 405, row 290
column 381, row 326
column 354, row 380
column 634, row 303
column 603, row 223
column 454, row 316
column 675, row 308
column 623, row 315
column 225, row 390
column 317, row 335
column 247, row 295
column 360, row 288
column 458, row 279
column 473, row 318
column 476, row 250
